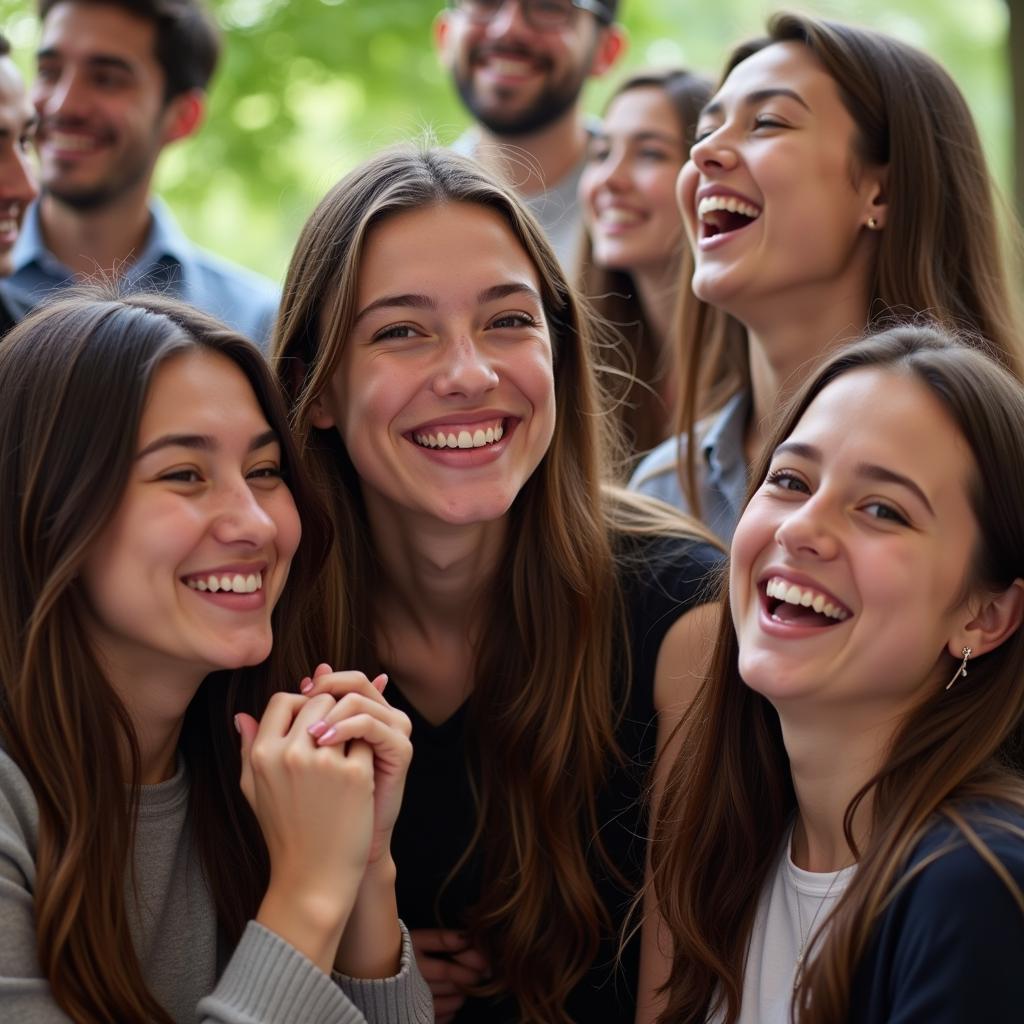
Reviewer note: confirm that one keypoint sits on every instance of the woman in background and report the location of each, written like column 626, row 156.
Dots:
column 842, row 836
column 542, row 631
column 837, row 181
column 634, row 251
column 152, row 499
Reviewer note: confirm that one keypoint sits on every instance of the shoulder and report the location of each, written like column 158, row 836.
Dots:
column 239, row 281
column 19, row 820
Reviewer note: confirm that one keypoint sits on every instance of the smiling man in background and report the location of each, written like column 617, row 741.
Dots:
column 520, row 67
column 117, row 82
column 17, row 178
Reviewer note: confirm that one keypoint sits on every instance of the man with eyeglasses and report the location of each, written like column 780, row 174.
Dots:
column 520, row 67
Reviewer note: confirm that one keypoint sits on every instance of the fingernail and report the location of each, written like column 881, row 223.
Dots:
column 316, row 731
column 238, row 728
column 306, row 685
column 383, row 679
column 327, row 735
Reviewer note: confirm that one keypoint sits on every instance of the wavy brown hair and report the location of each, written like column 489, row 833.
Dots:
column 942, row 252
column 729, row 797
column 636, row 365
column 73, row 383
column 537, row 764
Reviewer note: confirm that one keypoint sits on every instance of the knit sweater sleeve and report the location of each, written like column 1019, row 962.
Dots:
column 269, row 980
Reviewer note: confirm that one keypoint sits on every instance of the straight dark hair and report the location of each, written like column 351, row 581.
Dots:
column 74, row 378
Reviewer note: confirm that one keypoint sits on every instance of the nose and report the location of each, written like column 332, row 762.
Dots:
column 714, row 152
column 464, row 370
column 509, row 18
column 240, row 519
column 64, row 97
column 808, row 530
column 613, row 171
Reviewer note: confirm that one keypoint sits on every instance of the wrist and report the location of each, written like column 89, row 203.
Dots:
column 310, row 921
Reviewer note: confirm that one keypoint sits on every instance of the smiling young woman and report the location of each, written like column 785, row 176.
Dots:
column 843, row 838
column 837, row 182
column 634, row 249
column 151, row 520
column 542, row 631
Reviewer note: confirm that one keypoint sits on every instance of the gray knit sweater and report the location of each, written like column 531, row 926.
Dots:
column 266, row 981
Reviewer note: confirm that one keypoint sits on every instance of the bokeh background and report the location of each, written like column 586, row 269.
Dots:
column 307, row 88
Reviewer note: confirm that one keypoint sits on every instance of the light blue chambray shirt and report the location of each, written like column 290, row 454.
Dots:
column 169, row 263
column 721, row 474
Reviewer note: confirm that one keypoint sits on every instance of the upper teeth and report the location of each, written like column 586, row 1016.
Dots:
column 463, row 439
column 64, row 140
column 729, row 203
column 614, row 215
column 236, row 583
column 783, row 590
column 8, row 225
column 510, row 66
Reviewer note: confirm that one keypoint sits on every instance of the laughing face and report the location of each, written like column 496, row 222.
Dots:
column 444, row 396
column 849, row 563
column 628, row 186
column 775, row 202
column 190, row 568
column 17, row 177
column 516, row 79
column 99, row 93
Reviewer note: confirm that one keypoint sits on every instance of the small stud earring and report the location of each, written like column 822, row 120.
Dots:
column 872, row 223
column 962, row 670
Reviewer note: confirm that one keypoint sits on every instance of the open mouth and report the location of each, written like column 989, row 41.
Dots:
column 481, row 435
column 794, row 605
column 720, row 215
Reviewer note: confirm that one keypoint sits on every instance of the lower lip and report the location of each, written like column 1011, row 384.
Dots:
column 468, row 458
column 230, row 600
column 789, row 630
column 706, row 243
column 618, row 228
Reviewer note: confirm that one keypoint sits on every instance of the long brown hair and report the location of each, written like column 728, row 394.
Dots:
column 729, row 797
column 636, row 365
column 549, row 621
column 73, row 383
column 941, row 252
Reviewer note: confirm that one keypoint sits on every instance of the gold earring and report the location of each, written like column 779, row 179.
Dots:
column 962, row 670
column 872, row 223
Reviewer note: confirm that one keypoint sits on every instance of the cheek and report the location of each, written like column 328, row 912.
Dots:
column 289, row 526
column 685, row 195
column 754, row 536
column 587, row 191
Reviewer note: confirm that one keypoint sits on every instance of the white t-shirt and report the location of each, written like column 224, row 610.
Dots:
column 792, row 909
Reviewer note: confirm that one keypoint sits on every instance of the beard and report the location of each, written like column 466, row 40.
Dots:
column 551, row 103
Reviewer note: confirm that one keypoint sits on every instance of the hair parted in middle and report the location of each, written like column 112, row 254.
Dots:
column 549, row 621
column 729, row 796
column 942, row 253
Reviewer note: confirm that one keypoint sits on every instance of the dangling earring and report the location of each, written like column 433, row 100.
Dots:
column 872, row 223
column 962, row 670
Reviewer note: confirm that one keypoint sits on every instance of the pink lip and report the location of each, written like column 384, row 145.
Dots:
column 233, row 601
column 462, row 421
column 468, row 458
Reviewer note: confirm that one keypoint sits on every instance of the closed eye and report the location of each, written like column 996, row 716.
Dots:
column 514, row 320
column 395, row 332
column 182, row 476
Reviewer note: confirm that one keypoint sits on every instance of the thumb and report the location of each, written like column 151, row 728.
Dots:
column 247, row 727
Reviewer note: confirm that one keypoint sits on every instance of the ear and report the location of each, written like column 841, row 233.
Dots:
column 442, row 29
column 876, row 206
column 611, row 45
column 184, row 115
column 998, row 617
column 322, row 417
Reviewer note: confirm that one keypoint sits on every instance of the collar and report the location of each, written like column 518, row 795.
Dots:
column 723, row 441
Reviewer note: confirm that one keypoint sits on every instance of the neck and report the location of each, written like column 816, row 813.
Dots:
column 831, row 757
column 105, row 239
column 784, row 350
column 539, row 161
column 657, row 290
column 434, row 573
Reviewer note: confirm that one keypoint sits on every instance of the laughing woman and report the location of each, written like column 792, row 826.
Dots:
column 845, row 832
column 150, row 519
column 541, row 631
column 837, row 181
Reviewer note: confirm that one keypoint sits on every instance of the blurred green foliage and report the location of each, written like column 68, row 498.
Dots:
column 307, row 88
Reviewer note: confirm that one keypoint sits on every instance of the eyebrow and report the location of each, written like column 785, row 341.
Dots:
column 647, row 133
column 415, row 301
column 868, row 470
column 202, row 442
column 98, row 60
column 752, row 99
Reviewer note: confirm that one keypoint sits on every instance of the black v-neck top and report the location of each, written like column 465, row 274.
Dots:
column 661, row 579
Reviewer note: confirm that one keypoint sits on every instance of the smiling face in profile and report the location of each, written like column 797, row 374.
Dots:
column 851, row 565
column 444, row 394
column 189, row 569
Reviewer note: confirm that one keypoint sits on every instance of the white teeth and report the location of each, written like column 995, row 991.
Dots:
column 616, row 216
column 7, row 226
column 478, row 438
column 505, row 66
column 728, row 203
column 236, row 584
column 77, row 142
column 783, row 590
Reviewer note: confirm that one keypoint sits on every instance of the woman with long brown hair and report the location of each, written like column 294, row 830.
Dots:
column 541, row 631
column 841, row 837
column 150, row 519
column 837, row 182
column 634, row 251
